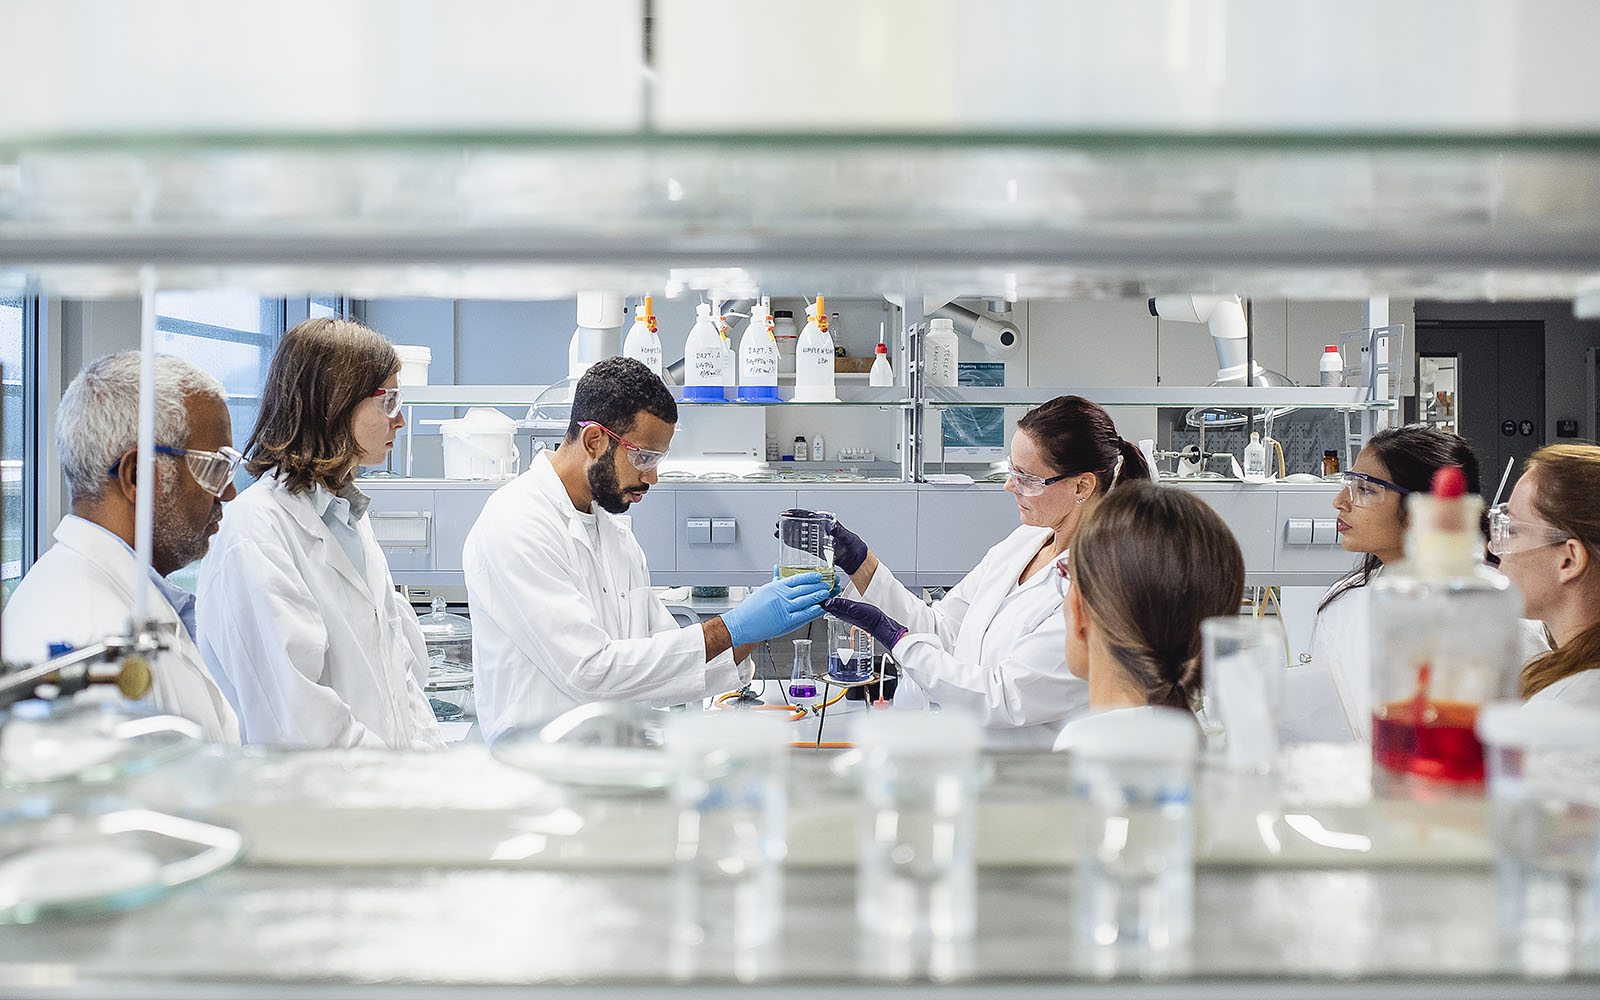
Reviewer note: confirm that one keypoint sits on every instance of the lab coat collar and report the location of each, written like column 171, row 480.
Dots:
column 355, row 502
column 104, row 549
column 544, row 477
column 303, row 508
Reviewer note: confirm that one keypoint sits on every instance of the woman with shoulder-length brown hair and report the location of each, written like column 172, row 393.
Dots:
column 313, row 645
column 1146, row 567
column 1548, row 539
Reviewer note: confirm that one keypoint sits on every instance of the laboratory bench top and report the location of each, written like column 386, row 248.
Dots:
column 402, row 874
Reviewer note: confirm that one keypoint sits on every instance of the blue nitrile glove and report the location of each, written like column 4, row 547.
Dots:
column 849, row 551
column 777, row 608
column 864, row 616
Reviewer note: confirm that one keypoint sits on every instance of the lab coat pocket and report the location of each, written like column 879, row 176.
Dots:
column 637, row 612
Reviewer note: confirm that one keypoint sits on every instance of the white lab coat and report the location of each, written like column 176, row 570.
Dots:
column 1341, row 641
column 1581, row 689
column 310, row 653
column 81, row 591
column 1106, row 720
column 991, row 647
column 557, row 623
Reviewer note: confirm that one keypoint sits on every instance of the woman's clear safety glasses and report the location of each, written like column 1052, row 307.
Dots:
column 1507, row 534
column 389, row 401
column 1063, row 576
column 213, row 470
column 1030, row 485
column 1368, row 491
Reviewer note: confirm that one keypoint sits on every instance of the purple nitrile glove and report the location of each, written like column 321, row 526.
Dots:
column 849, row 551
column 864, row 616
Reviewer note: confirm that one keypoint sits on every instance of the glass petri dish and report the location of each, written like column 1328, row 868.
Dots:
column 599, row 747
column 718, row 477
column 996, row 477
column 676, row 476
column 101, row 856
column 761, row 477
column 90, row 742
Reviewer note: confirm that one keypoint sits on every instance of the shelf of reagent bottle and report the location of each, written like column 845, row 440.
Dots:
column 888, row 397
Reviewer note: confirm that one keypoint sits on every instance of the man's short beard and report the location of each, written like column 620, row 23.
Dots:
column 604, row 485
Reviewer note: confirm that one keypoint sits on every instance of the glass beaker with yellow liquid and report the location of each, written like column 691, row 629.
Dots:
column 805, row 544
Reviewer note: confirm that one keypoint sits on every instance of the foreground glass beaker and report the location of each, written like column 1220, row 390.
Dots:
column 917, row 869
column 1133, row 779
column 1544, row 792
column 730, row 790
column 849, row 652
column 1243, row 677
column 805, row 544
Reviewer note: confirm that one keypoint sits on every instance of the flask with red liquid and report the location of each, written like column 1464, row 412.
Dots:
column 1444, row 642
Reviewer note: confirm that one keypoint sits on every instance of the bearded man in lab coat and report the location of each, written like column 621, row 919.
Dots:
column 82, row 589
column 562, row 608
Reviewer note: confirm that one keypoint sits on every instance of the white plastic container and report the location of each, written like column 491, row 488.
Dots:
column 703, row 359
column 787, row 339
column 882, row 373
column 941, row 356
column 758, row 359
column 414, row 361
column 480, row 445
column 1255, row 459
column 819, row 449
column 813, row 371
column 1330, row 370
column 643, row 344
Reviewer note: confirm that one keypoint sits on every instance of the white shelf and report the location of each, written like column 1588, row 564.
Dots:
column 470, row 395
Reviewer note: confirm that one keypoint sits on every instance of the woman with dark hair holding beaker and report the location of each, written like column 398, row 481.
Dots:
column 994, row 645
column 314, row 646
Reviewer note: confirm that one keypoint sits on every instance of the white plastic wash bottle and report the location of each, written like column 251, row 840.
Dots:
column 813, row 366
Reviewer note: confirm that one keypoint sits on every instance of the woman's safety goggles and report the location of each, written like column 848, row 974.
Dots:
column 1508, row 534
column 213, row 470
column 1368, row 491
column 389, row 401
column 1030, row 485
column 1063, row 575
column 642, row 459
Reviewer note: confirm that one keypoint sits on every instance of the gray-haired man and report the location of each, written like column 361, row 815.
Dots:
column 82, row 589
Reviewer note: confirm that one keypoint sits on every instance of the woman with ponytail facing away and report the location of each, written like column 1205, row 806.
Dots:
column 1146, row 568
column 1548, row 539
column 993, row 646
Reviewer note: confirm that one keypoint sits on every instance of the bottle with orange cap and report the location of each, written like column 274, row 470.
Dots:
column 814, row 359
column 643, row 343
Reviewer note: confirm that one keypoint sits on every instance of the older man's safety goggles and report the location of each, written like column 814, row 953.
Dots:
column 213, row 470
column 1508, row 534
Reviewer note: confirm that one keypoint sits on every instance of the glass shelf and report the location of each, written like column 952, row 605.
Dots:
column 884, row 397
column 888, row 397
column 1015, row 215
column 1354, row 398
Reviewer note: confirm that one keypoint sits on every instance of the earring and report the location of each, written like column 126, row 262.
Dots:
column 1080, row 500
